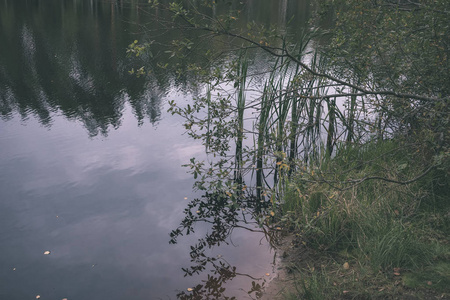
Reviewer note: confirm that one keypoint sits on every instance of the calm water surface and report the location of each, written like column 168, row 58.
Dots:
column 90, row 162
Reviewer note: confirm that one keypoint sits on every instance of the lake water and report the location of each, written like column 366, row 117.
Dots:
column 90, row 162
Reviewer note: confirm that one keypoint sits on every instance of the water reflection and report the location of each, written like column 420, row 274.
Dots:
column 104, row 205
column 69, row 58
column 224, row 214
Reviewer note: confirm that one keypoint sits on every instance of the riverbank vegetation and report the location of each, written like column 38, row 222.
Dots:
column 373, row 223
column 374, row 220
column 341, row 139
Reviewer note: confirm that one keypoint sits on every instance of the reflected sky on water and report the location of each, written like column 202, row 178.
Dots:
column 103, row 207
column 90, row 162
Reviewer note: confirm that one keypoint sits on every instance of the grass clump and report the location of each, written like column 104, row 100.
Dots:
column 375, row 221
column 435, row 276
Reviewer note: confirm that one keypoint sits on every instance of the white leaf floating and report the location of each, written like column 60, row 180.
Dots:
column 47, row 252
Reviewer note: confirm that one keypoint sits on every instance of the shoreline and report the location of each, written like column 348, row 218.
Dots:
column 281, row 282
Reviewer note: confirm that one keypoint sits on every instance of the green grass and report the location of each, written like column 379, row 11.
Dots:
column 392, row 238
column 434, row 277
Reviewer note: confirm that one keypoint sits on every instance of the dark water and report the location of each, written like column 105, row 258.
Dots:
column 90, row 162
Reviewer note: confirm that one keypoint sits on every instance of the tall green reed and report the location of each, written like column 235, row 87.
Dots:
column 240, row 107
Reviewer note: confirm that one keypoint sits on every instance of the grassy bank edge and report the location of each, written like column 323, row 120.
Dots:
column 371, row 223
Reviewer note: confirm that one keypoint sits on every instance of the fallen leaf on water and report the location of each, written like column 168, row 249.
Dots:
column 14, row 269
column 38, row 296
column 185, row 198
column 346, row 266
column 64, row 299
column 46, row 252
column 190, row 289
column 267, row 274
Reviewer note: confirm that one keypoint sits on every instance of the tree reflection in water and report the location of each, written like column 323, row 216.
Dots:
column 224, row 214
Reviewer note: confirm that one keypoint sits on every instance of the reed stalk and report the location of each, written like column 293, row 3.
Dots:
column 351, row 119
column 331, row 125
column 241, row 90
